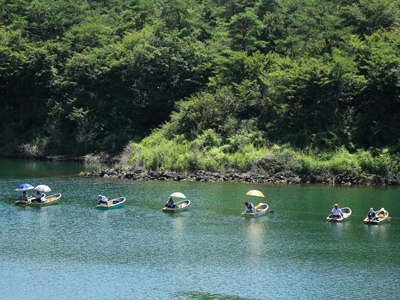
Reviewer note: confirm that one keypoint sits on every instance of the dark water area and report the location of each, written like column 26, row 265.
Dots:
column 71, row 251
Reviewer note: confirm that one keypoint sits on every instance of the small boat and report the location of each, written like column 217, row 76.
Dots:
column 346, row 211
column 114, row 203
column 381, row 216
column 261, row 209
column 45, row 201
column 179, row 206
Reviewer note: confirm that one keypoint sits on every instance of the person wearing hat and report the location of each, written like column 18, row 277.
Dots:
column 336, row 212
column 102, row 199
column 371, row 214
column 250, row 208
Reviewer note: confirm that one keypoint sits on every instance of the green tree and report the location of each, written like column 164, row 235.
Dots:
column 243, row 29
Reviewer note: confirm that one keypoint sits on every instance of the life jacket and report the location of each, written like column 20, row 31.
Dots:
column 249, row 206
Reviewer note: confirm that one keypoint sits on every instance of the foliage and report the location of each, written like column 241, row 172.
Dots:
column 224, row 80
column 157, row 153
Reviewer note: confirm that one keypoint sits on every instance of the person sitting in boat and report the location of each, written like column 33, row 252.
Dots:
column 250, row 207
column 170, row 203
column 38, row 197
column 371, row 214
column 102, row 199
column 336, row 212
column 24, row 197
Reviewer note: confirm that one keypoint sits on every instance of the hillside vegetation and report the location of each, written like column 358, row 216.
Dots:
column 216, row 85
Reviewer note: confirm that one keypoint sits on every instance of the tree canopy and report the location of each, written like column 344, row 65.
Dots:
column 91, row 76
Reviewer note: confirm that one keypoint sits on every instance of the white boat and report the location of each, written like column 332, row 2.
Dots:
column 178, row 207
column 46, row 200
column 380, row 216
column 346, row 212
column 261, row 209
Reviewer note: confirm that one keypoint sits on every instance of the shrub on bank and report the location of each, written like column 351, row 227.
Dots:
column 209, row 154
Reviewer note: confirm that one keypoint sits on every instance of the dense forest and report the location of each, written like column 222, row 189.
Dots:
column 203, row 84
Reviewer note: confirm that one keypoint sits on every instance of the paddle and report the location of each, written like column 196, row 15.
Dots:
column 98, row 205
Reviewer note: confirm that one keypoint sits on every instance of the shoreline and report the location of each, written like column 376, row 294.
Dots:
column 282, row 177
column 285, row 177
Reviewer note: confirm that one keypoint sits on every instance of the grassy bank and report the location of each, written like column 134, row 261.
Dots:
column 208, row 153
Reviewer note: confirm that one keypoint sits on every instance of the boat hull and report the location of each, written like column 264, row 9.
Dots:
column 46, row 201
column 261, row 208
column 179, row 206
column 112, row 204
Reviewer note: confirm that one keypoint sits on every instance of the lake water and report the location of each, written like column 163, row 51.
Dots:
column 72, row 251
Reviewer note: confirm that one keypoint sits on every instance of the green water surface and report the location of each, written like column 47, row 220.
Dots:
column 72, row 251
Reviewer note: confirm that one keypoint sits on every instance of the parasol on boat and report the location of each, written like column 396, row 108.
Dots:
column 43, row 188
column 24, row 187
column 178, row 195
column 255, row 193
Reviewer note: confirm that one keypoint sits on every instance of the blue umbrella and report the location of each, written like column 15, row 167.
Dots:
column 24, row 187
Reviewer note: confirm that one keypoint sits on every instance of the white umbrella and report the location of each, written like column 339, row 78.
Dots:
column 42, row 188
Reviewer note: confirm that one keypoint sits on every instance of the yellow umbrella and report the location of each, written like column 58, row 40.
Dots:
column 255, row 193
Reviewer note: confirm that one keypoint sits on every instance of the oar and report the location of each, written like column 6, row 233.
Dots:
column 327, row 220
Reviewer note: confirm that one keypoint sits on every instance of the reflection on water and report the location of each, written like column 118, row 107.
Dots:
column 381, row 230
column 178, row 224
column 178, row 235
column 339, row 228
column 255, row 236
column 31, row 169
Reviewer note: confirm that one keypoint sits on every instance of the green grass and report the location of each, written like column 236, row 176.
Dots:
column 208, row 153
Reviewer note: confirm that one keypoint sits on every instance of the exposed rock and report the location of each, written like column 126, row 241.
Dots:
column 285, row 177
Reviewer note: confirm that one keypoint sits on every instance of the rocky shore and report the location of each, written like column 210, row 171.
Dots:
column 285, row 177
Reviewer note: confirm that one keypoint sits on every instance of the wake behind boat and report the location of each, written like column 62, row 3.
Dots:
column 380, row 216
column 261, row 209
column 111, row 204
column 346, row 212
